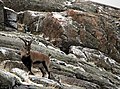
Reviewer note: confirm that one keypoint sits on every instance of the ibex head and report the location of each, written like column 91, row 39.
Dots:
column 26, row 48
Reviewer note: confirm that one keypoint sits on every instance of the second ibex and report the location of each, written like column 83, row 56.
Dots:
column 29, row 58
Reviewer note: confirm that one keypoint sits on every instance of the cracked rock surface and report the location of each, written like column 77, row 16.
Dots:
column 81, row 37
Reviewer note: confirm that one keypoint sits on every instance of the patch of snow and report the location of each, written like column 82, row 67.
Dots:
column 72, row 55
column 3, row 50
column 41, row 44
column 100, row 69
column 50, row 47
column 8, row 35
column 73, row 0
column 47, row 38
column 19, row 71
column 58, row 61
column 77, row 11
column 9, row 9
column 68, row 3
column 92, row 63
column 118, row 77
column 82, row 69
column 21, row 12
column 75, row 67
column 56, row 49
column 53, row 59
column 111, row 61
column 24, row 75
column 77, row 51
column 58, row 16
column 88, row 50
column 100, row 7
column 67, row 65
column 34, row 14
column 62, row 20
column 83, row 59
column 41, row 35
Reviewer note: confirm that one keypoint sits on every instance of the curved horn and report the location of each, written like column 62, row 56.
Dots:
column 23, row 40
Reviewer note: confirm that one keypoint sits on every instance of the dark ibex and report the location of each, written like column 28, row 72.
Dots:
column 29, row 58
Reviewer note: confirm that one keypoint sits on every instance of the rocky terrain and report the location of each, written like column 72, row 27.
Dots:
column 82, row 37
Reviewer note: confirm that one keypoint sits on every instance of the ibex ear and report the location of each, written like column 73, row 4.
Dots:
column 24, row 41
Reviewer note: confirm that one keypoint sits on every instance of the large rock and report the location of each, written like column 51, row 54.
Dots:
column 8, row 54
column 1, row 15
column 8, row 80
column 95, row 57
column 11, row 81
column 81, row 28
column 36, row 5
column 99, row 72
column 74, row 27
column 10, row 19
column 29, row 21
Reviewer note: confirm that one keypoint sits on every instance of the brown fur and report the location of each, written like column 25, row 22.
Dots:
column 29, row 58
column 37, row 56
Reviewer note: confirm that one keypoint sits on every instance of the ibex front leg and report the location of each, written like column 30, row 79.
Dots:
column 28, row 63
column 46, row 68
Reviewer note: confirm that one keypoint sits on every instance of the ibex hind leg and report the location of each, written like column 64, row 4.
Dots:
column 43, row 73
column 46, row 68
column 41, row 69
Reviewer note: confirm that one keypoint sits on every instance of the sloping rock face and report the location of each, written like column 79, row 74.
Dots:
column 37, row 5
column 1, row 15
column 74, row 27
column 83, row 40
column 10, row 19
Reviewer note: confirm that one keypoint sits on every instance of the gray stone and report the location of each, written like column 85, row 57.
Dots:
column 10, row 19
column 35, row 5
column 1, row 16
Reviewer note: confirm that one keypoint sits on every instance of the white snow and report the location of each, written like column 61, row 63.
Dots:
column 34, row 14
column 77, row 51
column 8, row 35
column 111, row 61
column 58, row 16
column 56, row 49
column 3, row 51
column 72, row 55
column 68, row 3
column 62, row 20
column 41, row 44
column 9, row 9
column 118, row 77
column 75, row 67
column 12, row 15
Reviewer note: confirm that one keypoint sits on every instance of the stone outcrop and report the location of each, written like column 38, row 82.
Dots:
column 10, row 19
column 1, row 15
column 42, row 5
column 90, row 67
column 73, row 27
